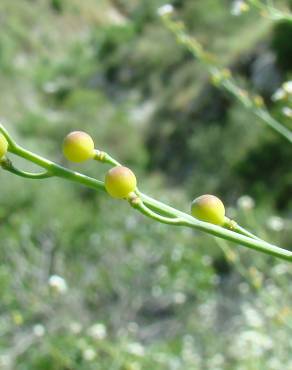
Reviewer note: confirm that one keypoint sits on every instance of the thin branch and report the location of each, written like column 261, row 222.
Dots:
column 222, row 77
column 268, row 10
column 153, row 208
column 7, row 165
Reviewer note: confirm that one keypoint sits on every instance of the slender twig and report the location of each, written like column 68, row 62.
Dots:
column 217, row 230
column 148, row 206
column 138, row 204
column 222, row 79
column 7, row 165
column 260, row 111
column 268, row 10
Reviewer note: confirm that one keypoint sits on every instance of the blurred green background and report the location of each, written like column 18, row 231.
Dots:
column 86, row 283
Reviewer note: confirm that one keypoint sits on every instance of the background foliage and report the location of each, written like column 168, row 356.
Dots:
column 132, row 294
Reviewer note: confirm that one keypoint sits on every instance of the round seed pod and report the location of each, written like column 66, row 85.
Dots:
column 120, row 181
column 78, row 147
column 208, row 208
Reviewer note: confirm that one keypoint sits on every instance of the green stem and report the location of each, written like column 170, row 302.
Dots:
column 232, row 225
column 56, row 169
column 227, row 84
column 150, row 207
column 218, row 231
column 141, row 207
column 7, row 165
column 241, row 230
column 273, row 13
column 261, row 113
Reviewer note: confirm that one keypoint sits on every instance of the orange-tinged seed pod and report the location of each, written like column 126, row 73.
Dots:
column 120, row 181
column 208, row 208
column 78, row 146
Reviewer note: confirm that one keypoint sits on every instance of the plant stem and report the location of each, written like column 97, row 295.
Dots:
column 150, row 207
column 215, row 230
column 227, row 83
column 262, row 113
column 138, row 204
column 233, row 225
column 270, row 11
column 7, row 165
column 56, row 169
column 243, row 231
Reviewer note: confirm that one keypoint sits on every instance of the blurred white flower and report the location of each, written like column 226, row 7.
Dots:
column 275, row 364
column 207, row 312
column 238, row 7
column 252, row 317
column 216, row 361
column 58, row 284
column 287, row 112
column 75, row 327
column 281, row 269
column 97, row 331
column 251, row 343
column 165, row 9
column 115, row 17
column 39, row 330
column 20, row 61
column 275, row 223
column 5, row 361
column 179, row 298
column 271, row 312
column 162, row 271
column 274, row 290
column 89, row 354
column 287, row 86
column 207, row 260
column 245, row 202
column 188, row 350
column 50, row 87
column 136, row 349
column 279, row 95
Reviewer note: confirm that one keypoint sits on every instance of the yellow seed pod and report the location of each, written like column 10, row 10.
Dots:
column 120, row 181
column 3, row 146
column 208, row 208
column 78, row 146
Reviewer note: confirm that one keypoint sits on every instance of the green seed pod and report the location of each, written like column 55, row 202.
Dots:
column 120, row 182
column 208, row 208
column 3, row 146
column 78, row 146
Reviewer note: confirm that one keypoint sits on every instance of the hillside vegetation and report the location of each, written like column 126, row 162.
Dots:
column 87, row 283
